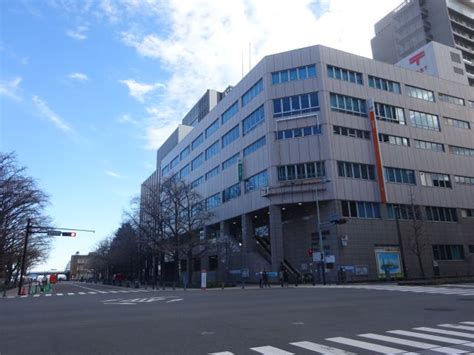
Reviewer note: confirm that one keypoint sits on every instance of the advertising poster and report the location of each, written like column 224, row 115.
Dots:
column 388, row 262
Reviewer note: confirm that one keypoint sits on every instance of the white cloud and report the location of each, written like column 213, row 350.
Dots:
column 79, row 33
column 203, row 42
column 113, row 174
column 46, row 111
column 11, row 88
column 139, row 91
column 78, row 76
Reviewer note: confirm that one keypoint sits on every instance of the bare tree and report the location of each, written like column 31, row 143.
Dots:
column 419, row 241
column 20, row 200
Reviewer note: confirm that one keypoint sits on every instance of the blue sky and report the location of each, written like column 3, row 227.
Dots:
column 89, row 89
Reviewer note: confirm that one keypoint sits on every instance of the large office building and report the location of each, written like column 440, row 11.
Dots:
column 417, row 22
column 388, row 149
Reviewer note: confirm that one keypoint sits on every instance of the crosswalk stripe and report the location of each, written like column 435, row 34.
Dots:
column 450, row 351
column 36, row 295
column 446, row 332
column 322, row 349
column 470, row 323
column 92, row 293
column 222, row 353
column 412, row 343
column 365, row 345
column 59, row 294
column 270, row 350
column 70, row 293
column 81, row 293
column 461, row 327
column 48, row 295
column 427, row 336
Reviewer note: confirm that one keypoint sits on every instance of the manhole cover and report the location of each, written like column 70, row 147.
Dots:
column 434, row 309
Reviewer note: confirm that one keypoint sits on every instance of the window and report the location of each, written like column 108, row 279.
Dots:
column 257, row 181
column 421, row 94
column 467, row 213
column 212, row 150
column 296, row 105
column 436, row 147
column 467, row 152
column 301, row 171
column 435, row 180
column 230, row 112
column 448, row 252
column 165, row 170
column 212, row 128
column 231, row 161
column 253, row 120
column 255, row 146
column 298, row 132
column 213, row 172
column 451, row 99
column 347, row 104
column 457, row 123
column 360, row 209
column 351, row 132
column 406, row 212
column 174, row 162
column 401, row 176
column 197, row 182
column 231, row 192
column 345, row 74
column 213, row 201
column 230, row 136
column 389, row 113
column 196, row 162
column 299, row 73
column 470, row 103
column 356, row 170
column 185, row 171
column 464, row 180
column 252, row 92
column 184, row 153
column 384, row 84
column 424, row 120
column 198, row 141
column 396, row 140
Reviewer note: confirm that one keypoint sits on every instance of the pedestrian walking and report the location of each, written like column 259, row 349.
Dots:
column 260, row 278
column 280, row 278
column 285, row 278
column 265, row 279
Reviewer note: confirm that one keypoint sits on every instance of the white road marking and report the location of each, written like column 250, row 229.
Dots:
column 323, row 349
column 36, row 295
column 59, row 294
column 128, row 303
column 90, row 289
column 174, row 300
column 446, row 332
column 222, row 353
column 427, row 336
column 48, row 295
column 460, row 327
column 114, row 291
column 81, row 293
column 450, row 351
column 24, row 296
column 412, row 343
column 270, row 350
column 365, row 345
column 112, row 300
column 92, row 293
column 470, row 323
column 70, row 293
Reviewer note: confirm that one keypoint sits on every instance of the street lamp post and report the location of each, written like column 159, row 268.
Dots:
column 242, row 265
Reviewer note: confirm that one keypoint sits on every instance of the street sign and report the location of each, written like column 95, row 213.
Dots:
column 54, row 233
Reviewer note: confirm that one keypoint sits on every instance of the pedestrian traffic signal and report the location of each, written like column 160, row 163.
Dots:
column 68, row 234
column 310, row 252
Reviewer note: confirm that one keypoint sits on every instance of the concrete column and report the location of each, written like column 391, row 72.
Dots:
column 248, row 237
column 276, row 236
column 224, row 229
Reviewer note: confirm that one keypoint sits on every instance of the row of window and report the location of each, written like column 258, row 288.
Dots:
column 351, row 132
column 295, row 105
column 251, row 93
column 254, row 182
column 419, row 93
column 399, row 175
column 424, row 120
column 259, row 143
column 448, row 252
column 252, row 121
column 298, row 132
column 436, row 147
column 389, row 113
column 467, row 152
column 364, row 209
column 396, row 140
column 293, row 74
column 345, row 74
column 384, row 84
column 348, row 104
column 457, row 123
column 356, row 170
column 451, row 99
column 229, row 137
column 435, row 179
column 301, row 171
column 465, row 180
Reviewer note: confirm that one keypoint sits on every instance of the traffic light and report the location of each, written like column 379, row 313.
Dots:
column 310, row 252
column 68, row 234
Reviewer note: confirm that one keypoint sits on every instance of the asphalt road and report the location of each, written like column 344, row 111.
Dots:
column 85, row 318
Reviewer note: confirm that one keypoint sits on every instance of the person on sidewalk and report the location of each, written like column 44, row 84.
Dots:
column 285, row 278
column 265, row 279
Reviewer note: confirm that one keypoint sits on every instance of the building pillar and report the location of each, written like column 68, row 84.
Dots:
column 276, row 236
column 248, row 234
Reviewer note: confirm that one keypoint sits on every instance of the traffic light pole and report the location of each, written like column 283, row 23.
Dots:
column 23, row 258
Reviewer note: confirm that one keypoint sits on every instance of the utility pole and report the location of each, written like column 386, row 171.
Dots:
column 23, row 258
